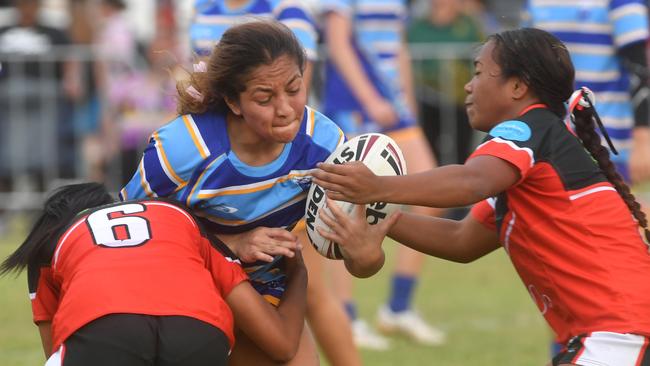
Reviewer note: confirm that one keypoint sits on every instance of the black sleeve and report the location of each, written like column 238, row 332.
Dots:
column 635, row 60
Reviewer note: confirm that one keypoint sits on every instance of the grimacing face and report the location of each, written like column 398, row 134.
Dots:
column 273, row 104
column 488, row 100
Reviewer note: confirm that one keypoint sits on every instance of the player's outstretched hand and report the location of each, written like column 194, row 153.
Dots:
column 351, row 182
column 359, row 241
column 262, row 243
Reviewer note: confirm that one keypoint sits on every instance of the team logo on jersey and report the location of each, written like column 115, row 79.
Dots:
column 303, row 181
column 226, row 209
column 512, row 130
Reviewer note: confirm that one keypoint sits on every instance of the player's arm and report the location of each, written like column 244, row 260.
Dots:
column 448, row 186
column 406, row 77
column 458, row 241
column 45, row 330
column 276, row 331
column 338, row 35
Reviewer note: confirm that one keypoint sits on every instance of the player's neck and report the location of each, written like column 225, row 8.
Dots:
column 249, row 147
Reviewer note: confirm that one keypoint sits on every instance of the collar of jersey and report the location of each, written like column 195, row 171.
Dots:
column 531, row 107
column 263, row 170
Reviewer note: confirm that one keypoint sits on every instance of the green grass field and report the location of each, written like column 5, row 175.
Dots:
column 488, row 315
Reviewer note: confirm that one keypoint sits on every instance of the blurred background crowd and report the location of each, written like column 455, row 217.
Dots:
column 84, row 82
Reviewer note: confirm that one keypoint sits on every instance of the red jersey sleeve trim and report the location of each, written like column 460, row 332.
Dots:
column 521, row 157
column 483, row 212
column 45, row 300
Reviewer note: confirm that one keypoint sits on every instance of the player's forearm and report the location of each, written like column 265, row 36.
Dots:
column 434, row 236
column 292, row 310
column 45, row 331
column 448, row 186
column 340, row 51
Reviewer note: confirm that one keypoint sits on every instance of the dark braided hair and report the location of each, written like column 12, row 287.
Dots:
column 584, row 120
column 62, row 206
column 554, row 86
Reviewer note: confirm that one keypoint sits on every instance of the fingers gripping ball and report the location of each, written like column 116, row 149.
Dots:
column 383, row 157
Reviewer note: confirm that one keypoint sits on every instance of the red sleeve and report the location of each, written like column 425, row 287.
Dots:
column 483, row 212
column 227, row 272
column 45, row 300
column 521, row 157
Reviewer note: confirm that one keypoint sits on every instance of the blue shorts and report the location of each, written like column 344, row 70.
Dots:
column 268, row 279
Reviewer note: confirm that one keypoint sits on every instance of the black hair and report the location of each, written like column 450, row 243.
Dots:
column 539, row 59
column 241, row 49
column 59, row 209
column 585, row 123
column 543, row 62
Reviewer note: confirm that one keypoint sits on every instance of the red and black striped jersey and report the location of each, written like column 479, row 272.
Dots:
column 141, row 257
column 568, row 232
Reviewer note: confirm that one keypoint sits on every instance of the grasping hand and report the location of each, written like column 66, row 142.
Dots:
column 359, row 241
column 262, row 243
column 382, row 112
column 351, row 182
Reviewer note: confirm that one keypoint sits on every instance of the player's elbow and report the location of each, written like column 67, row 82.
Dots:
column 284, row 351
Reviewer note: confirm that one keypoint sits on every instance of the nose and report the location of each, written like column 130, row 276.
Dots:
column 283, row 107
column 468, row 87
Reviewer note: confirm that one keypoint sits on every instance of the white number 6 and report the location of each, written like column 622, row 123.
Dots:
column 102, row 226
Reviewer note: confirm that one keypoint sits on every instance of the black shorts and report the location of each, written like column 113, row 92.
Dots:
column 138, row 340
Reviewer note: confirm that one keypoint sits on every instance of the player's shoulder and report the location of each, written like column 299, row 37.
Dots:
column 528, row 127
column 202, row 133
column 321, row 129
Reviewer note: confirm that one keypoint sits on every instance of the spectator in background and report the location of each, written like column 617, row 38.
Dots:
column 211, row 19
column 607, row 42
column 445, row 23
column 118, row 56
column 368, row 88
column 86, row 98
column 33, row 103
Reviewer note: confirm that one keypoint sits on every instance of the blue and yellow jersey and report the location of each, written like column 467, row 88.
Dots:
column 378, row 36
column 212, row 18
column 594, row 31
column 190, row 160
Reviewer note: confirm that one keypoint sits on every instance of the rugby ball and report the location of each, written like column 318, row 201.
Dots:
column 383, row 157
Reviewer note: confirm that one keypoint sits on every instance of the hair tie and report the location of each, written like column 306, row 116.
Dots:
column 201, row 66
column 584, row 98
column 581, row 99
column 191, row 90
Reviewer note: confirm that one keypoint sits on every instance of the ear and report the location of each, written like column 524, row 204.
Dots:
column 519, row 89
column 233, row 105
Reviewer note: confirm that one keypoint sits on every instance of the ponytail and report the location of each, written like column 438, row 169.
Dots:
column 585, row 118
column 62, row 206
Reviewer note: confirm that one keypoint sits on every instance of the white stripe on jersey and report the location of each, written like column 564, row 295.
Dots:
column 253, row 187
column 194, row 131
column 513, row 146
column 574, row 197
column 584, row 3
column 62, row 241
column 173, row 207
column 583, row 27
column 625, row 10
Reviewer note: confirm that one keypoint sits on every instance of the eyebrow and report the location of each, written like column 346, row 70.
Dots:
column 270, row 90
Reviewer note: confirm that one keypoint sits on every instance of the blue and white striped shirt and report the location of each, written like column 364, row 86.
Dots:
column 213, row 17
column 593, row 31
